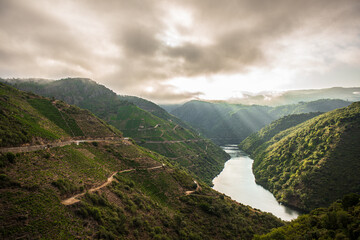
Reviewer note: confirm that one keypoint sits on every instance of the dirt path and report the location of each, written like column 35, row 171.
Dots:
column 148, row 128
column 177, row 141
column 74, row 199
column 198, row 188
column 32, row 148
column 174, row 129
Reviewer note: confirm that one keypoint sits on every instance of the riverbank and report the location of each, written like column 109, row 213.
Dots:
column 238, row 182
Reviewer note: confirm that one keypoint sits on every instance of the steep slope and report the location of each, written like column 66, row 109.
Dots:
column 160, row 132
column 155, row 110
column 255, row 140
column 339, row 221
column 314, row 163
column 26, row 118
column 232, row 123
column 121, row 191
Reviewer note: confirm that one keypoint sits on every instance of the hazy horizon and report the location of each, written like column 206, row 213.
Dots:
column 182, row 50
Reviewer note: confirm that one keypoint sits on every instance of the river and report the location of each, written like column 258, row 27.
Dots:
column 238, row 182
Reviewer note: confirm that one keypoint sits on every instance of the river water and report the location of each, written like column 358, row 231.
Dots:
column 238, row 182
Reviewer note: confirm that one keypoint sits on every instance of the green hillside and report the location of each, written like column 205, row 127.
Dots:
column 27, row 118
column 314, row 163
column 232, row 123
column 339, row 221
column 168, row 135
column 147, row 198
column 255, row 140
column 154, row 109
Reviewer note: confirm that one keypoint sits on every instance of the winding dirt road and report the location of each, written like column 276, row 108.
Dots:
column 74, row 199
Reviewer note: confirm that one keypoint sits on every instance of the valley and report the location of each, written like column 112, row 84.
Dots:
column 103, row 181
column 179, row 120
column 148, row 202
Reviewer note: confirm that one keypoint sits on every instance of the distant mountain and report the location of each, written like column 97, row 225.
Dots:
column 321, row 105
column 296, row 96
column 170, row 107
column 313, row 163
column 103, row 187
column 232, row 123
column 154, row 129
column 338, row 221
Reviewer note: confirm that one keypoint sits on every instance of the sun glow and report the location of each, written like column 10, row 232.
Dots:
column 222, row 87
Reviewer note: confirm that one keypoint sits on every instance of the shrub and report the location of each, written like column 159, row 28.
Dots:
column 10, row 157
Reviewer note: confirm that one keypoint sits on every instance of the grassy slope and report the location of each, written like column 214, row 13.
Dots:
column 339, row 221
column 154, row 109
column 27, row 118
column 143, row 204
column 136, row 123
column 314, row 163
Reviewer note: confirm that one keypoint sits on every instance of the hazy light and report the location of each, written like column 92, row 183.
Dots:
column 221, row 87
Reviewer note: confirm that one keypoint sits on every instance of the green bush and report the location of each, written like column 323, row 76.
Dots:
column 65, row 186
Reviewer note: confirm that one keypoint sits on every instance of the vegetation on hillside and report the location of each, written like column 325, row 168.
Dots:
column 154, row 109
column 314, row 163
column 141, row 203
column 150, row 124
column 339, row 221
column 194, row 155
column 255, row 140
column 27, row 118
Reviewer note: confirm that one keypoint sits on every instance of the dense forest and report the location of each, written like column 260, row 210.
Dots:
column 255, row 140
column 341, row 220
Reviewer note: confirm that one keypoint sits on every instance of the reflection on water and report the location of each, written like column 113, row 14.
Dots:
column 237, row 181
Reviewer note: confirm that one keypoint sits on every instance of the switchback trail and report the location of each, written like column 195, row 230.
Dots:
column 74, row 199
column 198, row 188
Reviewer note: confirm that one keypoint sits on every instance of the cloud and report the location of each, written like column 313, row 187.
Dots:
column 133, row 45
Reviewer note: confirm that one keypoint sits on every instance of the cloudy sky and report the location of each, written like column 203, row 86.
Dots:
column 170, row 51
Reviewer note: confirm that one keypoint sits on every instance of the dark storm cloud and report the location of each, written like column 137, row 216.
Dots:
column 124, row 43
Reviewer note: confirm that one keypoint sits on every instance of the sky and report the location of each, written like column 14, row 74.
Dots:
column 174, row 51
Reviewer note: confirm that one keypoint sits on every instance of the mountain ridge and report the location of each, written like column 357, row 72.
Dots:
column 232, row 123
